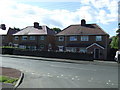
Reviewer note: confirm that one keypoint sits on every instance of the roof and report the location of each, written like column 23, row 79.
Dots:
column 96, row 45
column 3, row 32
column 88, row 29
column 30, row 30
column 11, row 31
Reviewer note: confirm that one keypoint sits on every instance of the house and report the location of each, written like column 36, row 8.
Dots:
column 6, row 35
column 7, row 39
column 35, row 38
column 84, row 38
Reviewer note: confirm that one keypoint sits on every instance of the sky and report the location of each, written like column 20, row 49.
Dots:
column 60, row 13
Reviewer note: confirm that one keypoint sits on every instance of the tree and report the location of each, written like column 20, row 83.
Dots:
column 114, row 42
column 57, row 30
column 118, row 31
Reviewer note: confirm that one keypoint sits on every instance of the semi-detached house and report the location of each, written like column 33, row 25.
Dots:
column 35, row 37
column 84, row 38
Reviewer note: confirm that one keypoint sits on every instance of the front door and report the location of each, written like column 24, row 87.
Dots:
column 96, row 53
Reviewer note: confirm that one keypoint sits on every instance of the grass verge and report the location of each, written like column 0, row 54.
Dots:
column 5, row 79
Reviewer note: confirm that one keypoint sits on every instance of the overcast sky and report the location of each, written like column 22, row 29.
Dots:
column 55, row 13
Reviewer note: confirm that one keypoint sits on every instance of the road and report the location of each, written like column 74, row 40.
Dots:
column 49, row 74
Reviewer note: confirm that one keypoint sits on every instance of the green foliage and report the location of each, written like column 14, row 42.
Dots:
column 57, row 30
column 118, row 31
column 6, row 79
column 114, row 43
column 7, row 47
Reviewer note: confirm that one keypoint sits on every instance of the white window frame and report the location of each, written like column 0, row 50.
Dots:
column 42, row 37
column 22, row 46
column 61, row 48
column 16, row 38
column 71, row 49
column 61, row 38
column 73, row 38
column 24, row 37
column 16, row 45
column 32, row 37
column 98, row 38
column 83, row 50
column 84, row 38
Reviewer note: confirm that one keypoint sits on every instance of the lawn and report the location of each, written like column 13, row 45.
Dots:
column 5, row 79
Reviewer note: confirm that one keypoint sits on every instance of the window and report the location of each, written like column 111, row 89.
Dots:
column 84, row 38
column 16, row 37
column 83, row 50
column 73, row 38
column 61, row 48
column 16, row 45
column 98, row 38
column 42, row 37
column 61, row 38
column 22, row 47
column 32, row 37
column 31, row 47
column 24, row 37
column 69, row 49
column 42, row 46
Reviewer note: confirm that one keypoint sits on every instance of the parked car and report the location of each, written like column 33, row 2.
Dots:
column 117, row 56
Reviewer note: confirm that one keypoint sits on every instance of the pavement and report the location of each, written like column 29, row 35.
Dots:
column 95, row 62
column 10, row 72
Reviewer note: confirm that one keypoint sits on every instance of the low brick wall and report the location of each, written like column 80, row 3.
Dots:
column 62, row 55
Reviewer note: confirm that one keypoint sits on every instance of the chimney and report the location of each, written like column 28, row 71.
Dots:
column 3, row 27
column 36, row 25
column 83, row 22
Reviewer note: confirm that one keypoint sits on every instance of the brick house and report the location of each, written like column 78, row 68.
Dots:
column 84, row 38
column 7, row 37
column 35, row 38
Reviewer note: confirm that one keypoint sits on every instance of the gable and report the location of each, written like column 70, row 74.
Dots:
column 95, row 44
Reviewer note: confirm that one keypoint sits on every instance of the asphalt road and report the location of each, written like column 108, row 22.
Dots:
column 49, row 74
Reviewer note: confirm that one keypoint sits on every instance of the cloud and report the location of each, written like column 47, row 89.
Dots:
column 17, row 13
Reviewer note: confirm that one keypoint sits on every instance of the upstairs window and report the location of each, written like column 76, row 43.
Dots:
column 98, row 38
column 84, row 38
column 32, row 37
column 42, row 37
column 73, row 38
column 24, row 37
column 61, row 38
column 16, row 37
